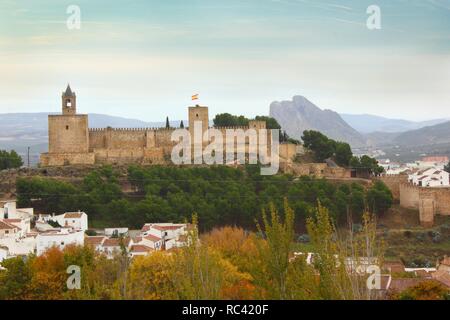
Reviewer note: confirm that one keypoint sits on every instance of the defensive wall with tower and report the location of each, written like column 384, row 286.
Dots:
column 72, row 142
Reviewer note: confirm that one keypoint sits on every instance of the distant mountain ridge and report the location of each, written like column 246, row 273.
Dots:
column 367, row 123
column 431, row 135
column 300, row 114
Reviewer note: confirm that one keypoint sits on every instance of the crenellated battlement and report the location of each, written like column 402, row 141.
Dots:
column 131, row 129
column 232, row 128
column 71, row 141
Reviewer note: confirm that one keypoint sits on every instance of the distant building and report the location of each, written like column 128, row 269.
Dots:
column 59, row 238
column 430, row 177
column 9, row 230
column 437, row 162
column 74, row 220
column 165, row 236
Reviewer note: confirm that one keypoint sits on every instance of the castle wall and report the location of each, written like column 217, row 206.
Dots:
column 68, row 134
column 441, row 197
column 409, row 196
column 393, row 183
column 426, row 212
column 130, row 145
column 62, row 159
column 287, row 151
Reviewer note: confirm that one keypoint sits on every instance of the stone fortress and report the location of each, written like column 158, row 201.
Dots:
column 72, row 142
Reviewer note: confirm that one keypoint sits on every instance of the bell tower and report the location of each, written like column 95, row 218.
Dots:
column 69, row 102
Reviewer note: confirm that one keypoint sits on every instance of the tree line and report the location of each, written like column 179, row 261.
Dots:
column 325, row 148
column 227, row 263
column 221, row 195
column 9, row 160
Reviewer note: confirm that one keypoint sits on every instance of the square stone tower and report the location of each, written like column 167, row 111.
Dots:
column 196, row 114
column 68, row 135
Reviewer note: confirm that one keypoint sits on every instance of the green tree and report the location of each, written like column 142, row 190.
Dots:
column 279, row 236
column 317, row 142
column 15, row 279
column 10, row 160
column 271, row 123
column 379, row 198
column 229, row 120
column 343, row 153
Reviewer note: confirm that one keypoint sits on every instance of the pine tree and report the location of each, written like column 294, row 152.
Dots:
column 167, row 123
column 181, row 124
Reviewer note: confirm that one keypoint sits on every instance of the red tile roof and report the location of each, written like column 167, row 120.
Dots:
column 140, row 248
column 164, row 228
column 443, row 277
column 115, row 242
column 435, row 159
column 402, row 284
column 73, row 215
column 94, row 241
column 7, row 226
column 152, row 238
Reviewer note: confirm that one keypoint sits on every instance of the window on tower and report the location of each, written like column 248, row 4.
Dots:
column 68, row 103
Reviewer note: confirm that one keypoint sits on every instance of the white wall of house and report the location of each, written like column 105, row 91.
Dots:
column 8, row 210
column 18, row 247
column 3, row 253
column 10, row 232
column 431, row 177
column 77, row 223
column 59, row 239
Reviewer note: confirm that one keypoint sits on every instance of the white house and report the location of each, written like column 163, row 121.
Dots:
column 438, row 162
column 58, row 238
column 430, row 177
column 8, row 210
column 164, row 236
column 113, row 246
column 20, row 247
column 4, row 252
column 22, row 224
column 74, row 220
column 9, row 230
column 140, row 250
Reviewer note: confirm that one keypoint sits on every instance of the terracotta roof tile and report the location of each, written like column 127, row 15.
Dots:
column 7, row 226
column 164, row 228
column 73, row 215
column 152, row 238
column 140, row 248
column 94, row 241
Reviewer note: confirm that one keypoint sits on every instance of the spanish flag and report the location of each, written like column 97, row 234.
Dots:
column 195, row 97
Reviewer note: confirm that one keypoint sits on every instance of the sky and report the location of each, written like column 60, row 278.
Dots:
column 144, row 59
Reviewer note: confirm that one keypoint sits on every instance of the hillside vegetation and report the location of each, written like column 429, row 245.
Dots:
column 219, row 195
